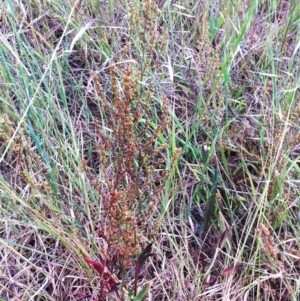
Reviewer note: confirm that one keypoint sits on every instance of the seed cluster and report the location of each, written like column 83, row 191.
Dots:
column 133, row 164
column 23, row 155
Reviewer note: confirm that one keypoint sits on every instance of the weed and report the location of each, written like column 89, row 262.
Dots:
column 96, row 97
column 133, row 183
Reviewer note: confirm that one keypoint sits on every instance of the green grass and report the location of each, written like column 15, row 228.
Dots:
column 229, row 213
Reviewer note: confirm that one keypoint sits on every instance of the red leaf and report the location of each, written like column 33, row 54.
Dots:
column 99, row 267
column 107, row 278
column 140, row 262
column 232, row 269
column 142, row 258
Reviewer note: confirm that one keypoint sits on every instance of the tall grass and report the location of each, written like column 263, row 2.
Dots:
column 212, row 91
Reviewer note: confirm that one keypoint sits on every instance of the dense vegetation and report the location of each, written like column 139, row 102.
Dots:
column 149, row 150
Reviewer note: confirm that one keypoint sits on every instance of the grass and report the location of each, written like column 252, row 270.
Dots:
column 225, row 226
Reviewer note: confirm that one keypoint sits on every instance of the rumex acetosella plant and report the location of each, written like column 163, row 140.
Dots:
column 134, row 169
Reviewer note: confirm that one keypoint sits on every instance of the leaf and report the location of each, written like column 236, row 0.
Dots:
column 80, row 33
column 231, row 269
column 210, row 206
column 170, row 68
column 215, row 182
column 107, row 279
column 130, row 294
column 211, row 202
column 225, row 235
column 140, row 262
column 83, row 296
column 99, row 267
column 143, row 292
column 142, row 258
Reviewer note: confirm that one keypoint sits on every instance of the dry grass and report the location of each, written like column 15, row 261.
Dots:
column 209, row 116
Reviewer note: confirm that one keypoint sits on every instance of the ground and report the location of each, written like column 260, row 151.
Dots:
column 150, row 149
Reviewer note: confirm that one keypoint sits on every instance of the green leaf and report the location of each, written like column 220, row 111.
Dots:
column 141, row 295
column 211, row 202
column 130, row 294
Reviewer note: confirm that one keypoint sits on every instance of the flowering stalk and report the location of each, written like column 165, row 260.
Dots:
column 133, row 165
